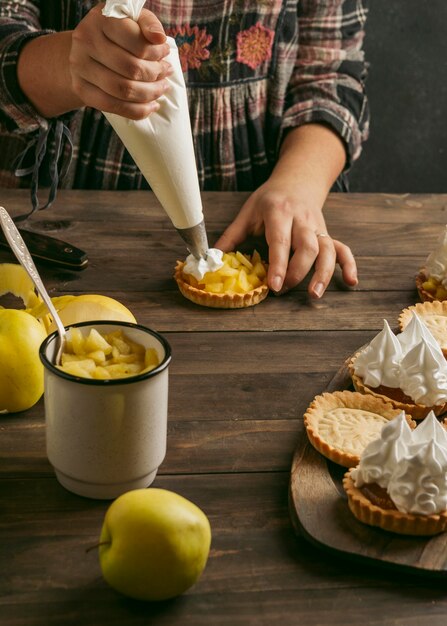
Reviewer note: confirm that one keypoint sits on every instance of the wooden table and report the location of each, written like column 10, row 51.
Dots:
column 239, row 384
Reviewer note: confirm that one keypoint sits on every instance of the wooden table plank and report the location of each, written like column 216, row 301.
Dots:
column 240, row 382
column 258, row 571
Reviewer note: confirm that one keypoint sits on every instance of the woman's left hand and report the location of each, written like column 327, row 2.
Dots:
column 296, row 233
column 288, row 209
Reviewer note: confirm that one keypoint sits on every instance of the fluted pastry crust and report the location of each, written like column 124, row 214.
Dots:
column 334, row 419
column 218, row 300
column 391, row 519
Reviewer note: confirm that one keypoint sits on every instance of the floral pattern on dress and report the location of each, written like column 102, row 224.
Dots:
column 192, row 43
column 254, row 45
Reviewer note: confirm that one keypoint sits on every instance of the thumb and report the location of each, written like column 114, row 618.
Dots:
column 151, row 27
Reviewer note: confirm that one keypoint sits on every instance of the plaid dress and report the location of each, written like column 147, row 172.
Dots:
column 253, row 68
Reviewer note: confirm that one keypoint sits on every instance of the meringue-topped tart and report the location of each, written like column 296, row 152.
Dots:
column 400, row 484
column 408, row 370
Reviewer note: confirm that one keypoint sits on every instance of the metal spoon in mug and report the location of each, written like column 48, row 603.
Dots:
column 19, row 248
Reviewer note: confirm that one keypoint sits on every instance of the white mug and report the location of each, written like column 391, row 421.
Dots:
column 106, row 437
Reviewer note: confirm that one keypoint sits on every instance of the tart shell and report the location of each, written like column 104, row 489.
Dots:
column 326, row 402
column 424, row 295
column 218, row 300
column 391, row 519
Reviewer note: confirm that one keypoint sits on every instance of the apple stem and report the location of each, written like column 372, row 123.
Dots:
column 98, row 545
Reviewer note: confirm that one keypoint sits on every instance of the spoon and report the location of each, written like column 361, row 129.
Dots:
column 19, row 248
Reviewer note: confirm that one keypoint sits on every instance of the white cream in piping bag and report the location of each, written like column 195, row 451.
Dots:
column 410, row 464
column 161, row 144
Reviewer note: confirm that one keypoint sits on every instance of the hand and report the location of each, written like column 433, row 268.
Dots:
column 117, row 65
column 290, row 225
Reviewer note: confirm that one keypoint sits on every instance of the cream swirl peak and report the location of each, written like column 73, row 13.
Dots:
column 379, row 363
column 423, row 374
column 410, row 464
column 199, row 267
column 436, row 263
column 414, row 332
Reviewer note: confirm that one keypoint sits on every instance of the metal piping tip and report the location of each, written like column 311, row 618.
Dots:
column 196, row 239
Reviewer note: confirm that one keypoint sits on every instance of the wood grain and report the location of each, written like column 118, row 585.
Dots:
column 239, row 385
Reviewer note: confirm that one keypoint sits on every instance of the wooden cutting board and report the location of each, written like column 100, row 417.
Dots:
column 319, row 511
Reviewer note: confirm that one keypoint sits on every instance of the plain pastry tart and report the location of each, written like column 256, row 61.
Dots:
column 236, row 281
column 400, row 484
column 433, row 315
column 341, row 424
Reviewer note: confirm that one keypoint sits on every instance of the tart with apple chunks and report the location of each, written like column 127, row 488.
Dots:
column 240, row 282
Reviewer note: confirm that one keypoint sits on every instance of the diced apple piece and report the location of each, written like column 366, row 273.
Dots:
column 122, row 346
column 77, row 341
column 95, row 341
column 151, row 358
column 98, row 356
column 214, row 287
column 101, row 373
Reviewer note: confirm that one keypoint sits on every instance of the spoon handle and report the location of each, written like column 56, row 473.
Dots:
column 23, row 256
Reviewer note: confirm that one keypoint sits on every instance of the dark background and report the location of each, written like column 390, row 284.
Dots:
column 406, row 46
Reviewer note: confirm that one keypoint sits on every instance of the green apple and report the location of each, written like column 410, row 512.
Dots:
column 154, row 544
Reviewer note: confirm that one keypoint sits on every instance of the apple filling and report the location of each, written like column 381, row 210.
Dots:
column 435, row 288
column 103, row 357
column 240, row 273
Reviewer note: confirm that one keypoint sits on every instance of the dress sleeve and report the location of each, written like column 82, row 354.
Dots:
column 19, row 22
column 327, row 84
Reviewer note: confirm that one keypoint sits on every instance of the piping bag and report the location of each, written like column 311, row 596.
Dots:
column 161, row 145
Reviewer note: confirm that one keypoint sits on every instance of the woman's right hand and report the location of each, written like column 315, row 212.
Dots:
column 117, row 65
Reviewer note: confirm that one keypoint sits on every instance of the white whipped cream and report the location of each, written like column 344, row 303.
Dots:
column 410, row 464
column 381, row 455
column 414, row 332
column 199, row 267
column 436, row 263
column 379, row 363
column 412, row 361
column 423, row 374
column 161, row 144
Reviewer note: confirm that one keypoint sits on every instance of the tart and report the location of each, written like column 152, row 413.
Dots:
column 430, row 289
column 371, row 505
column 240, row 283
column 341, row 424
column 395, row 396
column 434, row 315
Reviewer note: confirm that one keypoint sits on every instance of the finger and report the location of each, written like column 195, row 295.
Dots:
column 305, row 246
column 127, row 35
column 346, row 260
column 95, row 97
column 151, row 27
column 233, row 235
column 324, row 266
column 123, row 88
column 278, row 227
